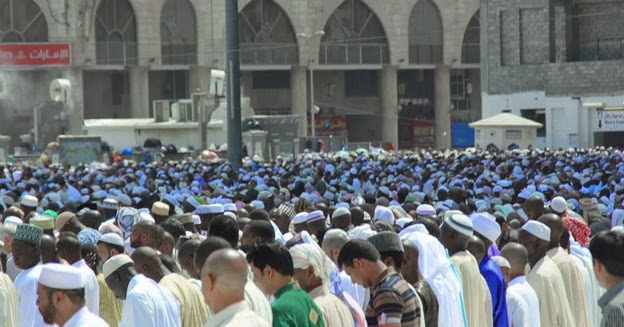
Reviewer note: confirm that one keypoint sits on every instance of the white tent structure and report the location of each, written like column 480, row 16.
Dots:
column 505, row 131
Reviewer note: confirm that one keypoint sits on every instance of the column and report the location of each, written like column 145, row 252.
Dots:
column 139, row 92
column 298, row 97
column 389, row 105
column 442, row 81
column 199, row 79
column 75, row 103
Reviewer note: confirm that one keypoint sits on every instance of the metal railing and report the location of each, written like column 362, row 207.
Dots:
column 353, row 53
column 425, row 54
column 179, row 54
column 116, row 53
column 268, row 53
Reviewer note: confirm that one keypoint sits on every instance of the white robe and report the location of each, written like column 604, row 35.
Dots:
column 573, row 282
column 149, row 305
column 26, row 285
column 235, row 315
column 594, row 314
column 547, row 282
column 520, row 286
column 9, row 299
column 92, row 288
column 257, row 301
column 356, row 291
column 517, row 309
column 477, row 297
column 84, row 318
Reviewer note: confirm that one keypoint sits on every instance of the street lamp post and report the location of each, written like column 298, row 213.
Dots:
column 307, row 38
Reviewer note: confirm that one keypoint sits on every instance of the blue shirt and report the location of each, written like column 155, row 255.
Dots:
column 496, row 283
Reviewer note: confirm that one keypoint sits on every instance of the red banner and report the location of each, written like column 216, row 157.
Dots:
column 416, row 134
column 330, row 125
column 35, row 54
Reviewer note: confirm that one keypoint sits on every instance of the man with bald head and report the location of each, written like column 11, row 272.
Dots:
column 534, row 207
column 49, row 254
column 192, row 311
column 570, row 270
column 517, row 256
column 224, row 276
column 146, row 233
column 545, row 277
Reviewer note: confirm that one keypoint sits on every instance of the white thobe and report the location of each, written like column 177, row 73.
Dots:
column 573, row 282
column 26, row 285
column 357, row 292
column 335, row 312
column 547, row 282
column 520, row 286
column 517, row 309
column 257, row 301
column 92, row 288
column 11, row 268
column 477, row 297
column 9, row 299
column 235, row 315
column 149, row 305
column 84, row 318
column 593, row 290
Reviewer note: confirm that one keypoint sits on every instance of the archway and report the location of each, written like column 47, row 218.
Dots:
column 425, row 34
column 178, row 33
column 22, row 21
column 471, row 45
column 115, row 33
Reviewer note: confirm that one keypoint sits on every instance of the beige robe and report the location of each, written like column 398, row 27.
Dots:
column 110, row 305
column 335, row 312
column 546, row 280
column 573, row 282
column 477, row 297
column 192, row 309
column 9, row 298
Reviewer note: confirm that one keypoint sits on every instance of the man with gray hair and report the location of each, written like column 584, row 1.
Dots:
column 224, row 276
column 7, row 231
column 312, row 270
column 333, row 242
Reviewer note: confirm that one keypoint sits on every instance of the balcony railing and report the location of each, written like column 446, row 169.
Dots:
column 268, row 53
column 116, row 53
column 425, row 54
column 353, row 54
column 179, row 54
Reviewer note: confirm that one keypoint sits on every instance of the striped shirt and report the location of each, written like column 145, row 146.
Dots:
column 393, row 301
column 612, row 305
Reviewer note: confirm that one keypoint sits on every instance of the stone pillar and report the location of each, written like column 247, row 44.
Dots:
column 199, row 79
column 389, row 105
column 139, row 92
column 75, row 104
column 298, row 97
column 442, row 86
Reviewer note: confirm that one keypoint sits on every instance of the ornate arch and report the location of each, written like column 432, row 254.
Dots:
column 22, row 21
column 426, row 40
column 267, row 36
column 178, row 33
column 116, row 33
column 354, row 35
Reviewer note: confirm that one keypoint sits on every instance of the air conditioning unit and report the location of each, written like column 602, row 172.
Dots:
column 161, row 111
column 182, row 111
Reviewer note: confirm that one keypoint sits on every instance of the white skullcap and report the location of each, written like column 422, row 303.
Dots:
column 145, row 216
column 214, row 208
column 449, row 213
column 425, row 210
column 62, row 277
column 340, row 212
column 558, row 205
column 111, row 204
column 300, row 218
column 362, row 232
column 196, row 220
column 12, row 220
column 29, row 201
column 124, row 199
column 114, row 263
column 230, row 207
column 315, row 215
column 486, row 226
column 537, row 229
column 401, row 222
column 420, row 228
column 311, row 255
column 230, row 214
column 112, row 238
column 501, row 262
column 160, row 209
column 460, row 223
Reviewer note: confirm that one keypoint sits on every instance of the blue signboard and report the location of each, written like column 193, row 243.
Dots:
column 462, row 135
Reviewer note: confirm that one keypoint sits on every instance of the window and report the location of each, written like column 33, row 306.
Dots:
column 271, row 80
column 478, row 133
column 460, row 89
column 361, row 83
column 514, row 134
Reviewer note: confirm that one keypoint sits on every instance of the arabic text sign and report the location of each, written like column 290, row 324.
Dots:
column 607, row 121
column 35, row 54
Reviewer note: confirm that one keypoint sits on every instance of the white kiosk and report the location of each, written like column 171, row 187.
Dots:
column 505, row 131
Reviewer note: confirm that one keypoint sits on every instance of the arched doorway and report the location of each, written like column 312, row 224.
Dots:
column 178, row 33
column 425, row 34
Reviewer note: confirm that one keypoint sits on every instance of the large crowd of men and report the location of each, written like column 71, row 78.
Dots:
column 419, row 238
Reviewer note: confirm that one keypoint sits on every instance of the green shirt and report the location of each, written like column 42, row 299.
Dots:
column 293, row 307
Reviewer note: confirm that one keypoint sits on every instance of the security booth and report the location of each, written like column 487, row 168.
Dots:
column 505, row 131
